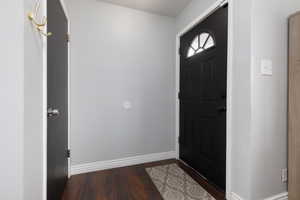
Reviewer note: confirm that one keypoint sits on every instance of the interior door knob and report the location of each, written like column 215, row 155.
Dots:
column 52, row 112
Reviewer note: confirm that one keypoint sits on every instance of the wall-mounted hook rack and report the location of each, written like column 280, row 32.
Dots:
column 32, row 16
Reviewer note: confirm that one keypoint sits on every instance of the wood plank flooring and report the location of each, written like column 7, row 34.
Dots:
column 126, row 183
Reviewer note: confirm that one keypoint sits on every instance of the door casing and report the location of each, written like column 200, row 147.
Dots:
column 45, row 103
column 196, row 21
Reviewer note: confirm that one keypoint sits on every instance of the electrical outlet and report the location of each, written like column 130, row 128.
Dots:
column 284, row 175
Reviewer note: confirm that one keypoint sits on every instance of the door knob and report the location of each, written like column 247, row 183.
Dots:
column 52, row 112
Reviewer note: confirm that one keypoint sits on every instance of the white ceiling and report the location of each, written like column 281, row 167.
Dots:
column 162, row 7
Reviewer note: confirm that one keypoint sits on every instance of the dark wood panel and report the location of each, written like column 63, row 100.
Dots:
column 294, row 107
column 126, row 183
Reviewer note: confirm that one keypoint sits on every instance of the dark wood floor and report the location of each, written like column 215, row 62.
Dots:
column 126, row 183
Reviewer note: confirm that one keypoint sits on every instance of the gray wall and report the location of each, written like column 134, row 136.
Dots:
column 120, row 54
column 33, row 108
column 11, row 99
column 269, row 94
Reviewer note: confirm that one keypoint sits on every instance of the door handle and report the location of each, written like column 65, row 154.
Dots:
column 52, row 112
column 222, row 109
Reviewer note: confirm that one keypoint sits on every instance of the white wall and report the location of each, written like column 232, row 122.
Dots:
column 269, row 95
column 191, row 12
column 11, row 99
column 120, row 54
column 241, row 99
column 33, row 107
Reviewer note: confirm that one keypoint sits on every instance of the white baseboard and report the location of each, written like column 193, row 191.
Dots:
column 281, row 196
column 123, row 162
column 234, row 196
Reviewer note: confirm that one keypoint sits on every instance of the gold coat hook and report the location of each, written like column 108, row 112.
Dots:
column 38, row 25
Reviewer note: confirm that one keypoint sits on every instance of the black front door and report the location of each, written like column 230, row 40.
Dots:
column 57, row 136
column 203, row 78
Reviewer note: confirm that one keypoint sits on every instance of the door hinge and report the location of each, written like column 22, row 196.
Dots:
column 69, row 153
column 179, row 140
column 68, row 37
column 179, row 51
column 179, row 95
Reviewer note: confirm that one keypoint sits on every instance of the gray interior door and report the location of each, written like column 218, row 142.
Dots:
column 57, row 136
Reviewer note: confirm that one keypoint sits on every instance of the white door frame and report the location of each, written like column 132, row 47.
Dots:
column 45, row 97
column 196, row 21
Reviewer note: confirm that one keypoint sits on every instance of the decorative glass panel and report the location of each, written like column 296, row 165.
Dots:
column 199, row 50
column 210, row 43
column 195, row 43
column 191, row 52
column 200, row 44
column 203, row 38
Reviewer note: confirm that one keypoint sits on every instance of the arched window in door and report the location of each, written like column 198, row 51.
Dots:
column 201, row 43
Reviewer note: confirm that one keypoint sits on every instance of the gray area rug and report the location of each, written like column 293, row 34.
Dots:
column 175, row 184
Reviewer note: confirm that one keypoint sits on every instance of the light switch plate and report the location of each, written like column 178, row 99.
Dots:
column 266, row 67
